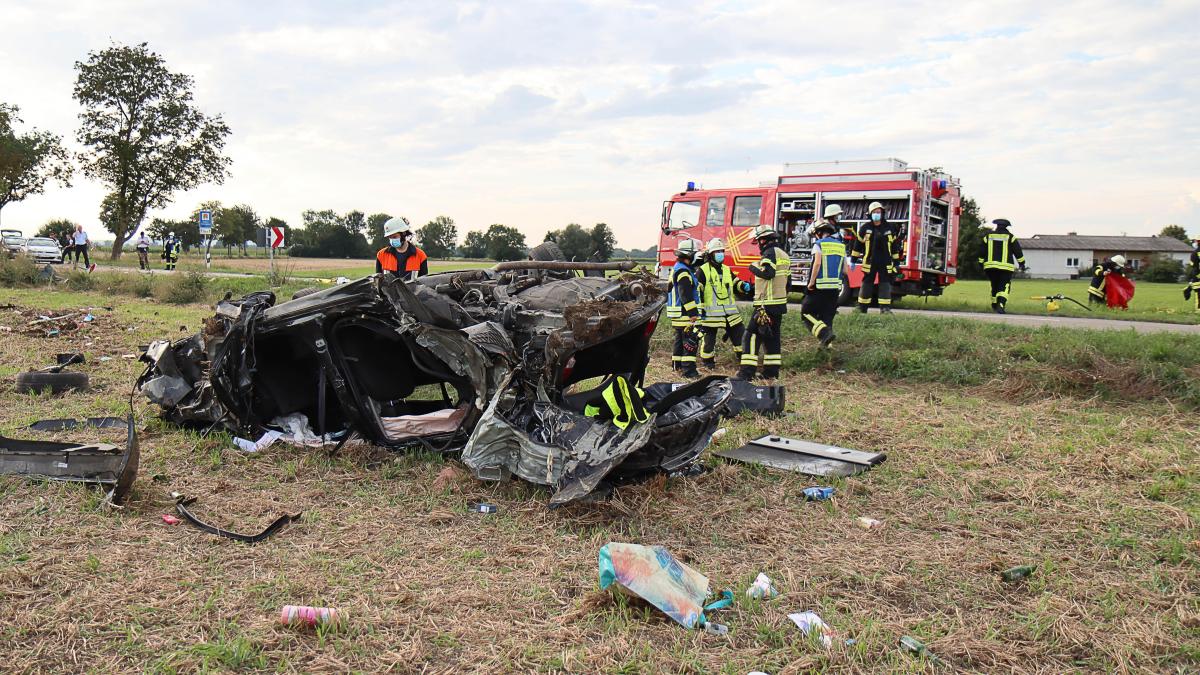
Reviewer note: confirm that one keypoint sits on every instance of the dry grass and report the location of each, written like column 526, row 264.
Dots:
column 1101, row 497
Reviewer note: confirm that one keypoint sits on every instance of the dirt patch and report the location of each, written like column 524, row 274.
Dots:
column 592, row 320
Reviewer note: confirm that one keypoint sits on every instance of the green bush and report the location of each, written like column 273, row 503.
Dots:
column 79, row 280
column 1163, row 270
column 18, row 271
column 187, row 288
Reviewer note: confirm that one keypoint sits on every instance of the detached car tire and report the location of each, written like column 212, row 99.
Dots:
column 56, row 383
column 305, row 291
column 547, row 251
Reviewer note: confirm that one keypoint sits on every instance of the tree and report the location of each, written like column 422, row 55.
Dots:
column 146, row 139
column 356, row 222
column 1162, row 269
column 1175, row 232
column 603, row 242
column 970, row 241
column 235, row 225
column 475, row 245
column 28, row 161
column 504, row 243
column 55, row 229
column 187, row 232
column 438, row 237
column 375, row 230
column 325, row 235
column 575, row 242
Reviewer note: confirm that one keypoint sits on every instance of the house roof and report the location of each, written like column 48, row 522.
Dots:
column 1074, row 242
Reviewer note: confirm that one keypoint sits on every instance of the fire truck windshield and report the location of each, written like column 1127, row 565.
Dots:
column 683, row 215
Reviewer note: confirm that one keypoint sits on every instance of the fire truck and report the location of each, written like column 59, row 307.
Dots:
column 924, row 204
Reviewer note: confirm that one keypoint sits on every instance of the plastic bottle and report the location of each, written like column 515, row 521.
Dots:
column 303, row 615
column 1017, row 573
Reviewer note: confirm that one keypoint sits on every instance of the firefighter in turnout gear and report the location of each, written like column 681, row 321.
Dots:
column 717, row 306
column 1192, row 290
column 771, row 275
column 683, row 309
column 824, row 283
column 1001, row 256
column 1096, row 292
column 170, row 253
column 877, row 248
column 401, row 256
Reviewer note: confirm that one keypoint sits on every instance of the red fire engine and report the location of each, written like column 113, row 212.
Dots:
column 924, row 204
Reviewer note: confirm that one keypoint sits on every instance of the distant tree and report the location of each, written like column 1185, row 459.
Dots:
column 187, row 232
column 375, row 230
column 356, row 222
column 325, row 235
column 235, row 225
column 438, row 237
column 970, row 241
column 504, row 242
column 603, row 242
column 145, row 138
column 475, row 245
column 28, row 161
column 1175, row 232
column 576, row 243
column 1162, row 269
column 55, row 229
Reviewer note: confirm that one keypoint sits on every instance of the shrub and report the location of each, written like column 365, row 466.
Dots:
column 79, row 280
column 183, row 289
column 1162, row 269
column 18, row 271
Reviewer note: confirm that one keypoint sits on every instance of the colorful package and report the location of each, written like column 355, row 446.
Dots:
column 654, row 575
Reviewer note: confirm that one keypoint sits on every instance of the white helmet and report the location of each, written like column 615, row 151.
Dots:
column 833, row 210
column 715, row 244
column 171, row 235
column 1119, row 260
column 686, row 247
column 397, row 225
column 873, row 206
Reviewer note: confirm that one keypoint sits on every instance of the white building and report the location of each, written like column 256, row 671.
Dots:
column 1067, row 256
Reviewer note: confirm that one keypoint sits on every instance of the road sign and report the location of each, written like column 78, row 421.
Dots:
column 276, row 237
column 205, row 222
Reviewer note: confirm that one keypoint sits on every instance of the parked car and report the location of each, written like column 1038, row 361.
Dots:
column 43, row 250
column 13, row 242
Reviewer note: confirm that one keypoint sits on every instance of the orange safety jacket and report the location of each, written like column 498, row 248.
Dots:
column 387, row 261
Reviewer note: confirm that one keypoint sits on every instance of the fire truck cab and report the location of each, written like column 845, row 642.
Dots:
column 924, row 205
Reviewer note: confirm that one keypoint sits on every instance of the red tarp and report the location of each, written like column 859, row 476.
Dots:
column 1118, row 291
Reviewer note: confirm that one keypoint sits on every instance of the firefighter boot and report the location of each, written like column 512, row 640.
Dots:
column 770, row 372
column 708, row 364
column 885, row 310
column 862, row 308
column 745, row 373
column 826, row 336
column 689, row 371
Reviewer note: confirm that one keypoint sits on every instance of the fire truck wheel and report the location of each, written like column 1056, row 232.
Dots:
column 848, row 295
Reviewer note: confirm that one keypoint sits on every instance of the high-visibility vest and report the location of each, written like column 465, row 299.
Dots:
column 829, row 276
column 390, row 263
column 716, row 295
column 623, row 401
column 676, row 305
column 773, row 291
column 996, row 251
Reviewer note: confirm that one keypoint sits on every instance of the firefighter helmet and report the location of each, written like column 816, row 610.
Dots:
column 873, row 206
column 715, row 244
column 824, row 226
column 686, row 247
column 1118, row 260
column 397, row 225
column 1002, row 222
column 764, row 231
column 833, row 210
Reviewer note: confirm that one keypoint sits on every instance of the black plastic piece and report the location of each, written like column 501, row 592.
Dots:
column 182, row 503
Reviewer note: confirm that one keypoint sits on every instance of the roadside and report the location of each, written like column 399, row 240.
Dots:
column 1035, row 321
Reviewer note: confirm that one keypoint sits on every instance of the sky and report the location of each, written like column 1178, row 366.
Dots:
column 1064, row 116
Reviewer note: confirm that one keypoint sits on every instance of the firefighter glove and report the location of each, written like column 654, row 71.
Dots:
column 1187, row 292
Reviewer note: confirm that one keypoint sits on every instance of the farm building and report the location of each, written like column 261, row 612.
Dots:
column 1066, row 256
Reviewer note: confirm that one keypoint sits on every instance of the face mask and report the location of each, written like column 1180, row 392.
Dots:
column 877, row 217
column 719, row 256
column 396, row 243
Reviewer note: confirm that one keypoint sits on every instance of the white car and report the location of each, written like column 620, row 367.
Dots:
column 43, row 250
column 12, row 245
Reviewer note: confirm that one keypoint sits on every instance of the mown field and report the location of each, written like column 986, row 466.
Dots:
column 1072, row 451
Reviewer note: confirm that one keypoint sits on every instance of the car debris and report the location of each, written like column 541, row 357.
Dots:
column 102, row 464
column 765, row 399
column 182, row 502
column 504, row 366
column 806, row 457
column 53, row 378
column 69, row 424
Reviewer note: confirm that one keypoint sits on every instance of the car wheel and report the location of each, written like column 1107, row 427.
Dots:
column 847, row 296
column 547, row 250
column 305, row 291
column 56, row 383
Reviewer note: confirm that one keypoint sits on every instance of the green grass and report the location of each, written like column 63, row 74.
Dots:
column 1151, row 302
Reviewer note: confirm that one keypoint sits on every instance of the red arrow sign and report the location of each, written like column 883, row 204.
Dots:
column 276, row 237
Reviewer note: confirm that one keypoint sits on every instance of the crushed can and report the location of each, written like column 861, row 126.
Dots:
column 483, row 507
column 762, row 588
column 818, row 494
column 310, row 617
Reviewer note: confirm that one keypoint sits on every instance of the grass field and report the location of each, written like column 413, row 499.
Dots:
column 1151, row 302
column 292, row 267
column 1075, row 452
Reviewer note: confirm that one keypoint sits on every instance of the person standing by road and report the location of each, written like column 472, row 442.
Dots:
column 401, row 256
column 771, row 274
column 829, row 265
column 80, row 244
column 170, row 254
column 717, row 305
column 1192, row 290
column 683, row 309
column 878, row 251
column 65, row 241
column 143, row 251
column 1001, row 255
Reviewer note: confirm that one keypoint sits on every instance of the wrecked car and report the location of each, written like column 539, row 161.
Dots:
column 507, row 366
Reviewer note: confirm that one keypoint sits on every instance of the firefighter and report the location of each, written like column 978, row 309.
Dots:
column 771, row 275
column 1114, row 265
column 401, row 256
column 717, row 305
column 170, row 254
column 684, row 310
column 1001, row 255
column 1192, row 289
column 824, row 283
column 877, row 249
column 621, row 402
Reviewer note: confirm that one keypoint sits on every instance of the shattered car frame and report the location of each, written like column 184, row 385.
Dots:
column 498, row 364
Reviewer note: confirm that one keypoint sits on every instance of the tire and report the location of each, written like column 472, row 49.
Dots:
column 847, row 296
column 547, row 250
column 305, row 291
column 56, row 383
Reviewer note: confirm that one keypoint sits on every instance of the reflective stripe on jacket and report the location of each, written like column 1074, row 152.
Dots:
column 829, row 276
column 716, row 295
column 679, row 307
column 622, row 401
column 865, row 241
column 772, row 291
column 1001, row 251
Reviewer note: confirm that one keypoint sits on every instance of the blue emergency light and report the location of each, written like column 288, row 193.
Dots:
column 691, row 185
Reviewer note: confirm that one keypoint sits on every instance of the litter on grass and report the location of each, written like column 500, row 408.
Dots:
column 654, row 575
column 806, row 457
column 810, row 622
column 762, row 588
column 256, row 446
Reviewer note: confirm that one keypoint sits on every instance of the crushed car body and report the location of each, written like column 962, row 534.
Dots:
column 507, row 366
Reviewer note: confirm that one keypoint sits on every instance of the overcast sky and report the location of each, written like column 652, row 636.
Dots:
column 1057, row 115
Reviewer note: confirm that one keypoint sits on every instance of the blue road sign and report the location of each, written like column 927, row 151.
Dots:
column 205, row 221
